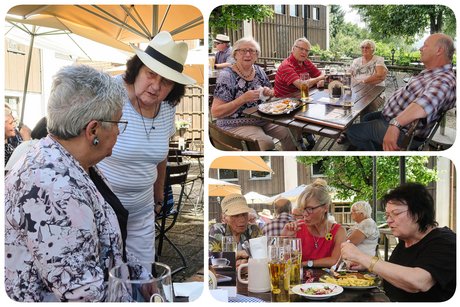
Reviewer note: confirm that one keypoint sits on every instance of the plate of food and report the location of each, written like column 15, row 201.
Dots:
column 352, row 280
column 280, row 106
column 317, row 290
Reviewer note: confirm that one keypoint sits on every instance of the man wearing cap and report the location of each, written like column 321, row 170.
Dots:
column 224, row 52
column 282, row 217
column 136, row 170
column 236, row 211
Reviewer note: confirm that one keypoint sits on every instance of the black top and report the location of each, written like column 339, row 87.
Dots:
column 435, row 253
column 114, row 202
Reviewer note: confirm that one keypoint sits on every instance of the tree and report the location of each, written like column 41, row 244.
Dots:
column 351, row 176
column 231, row 16
column 337, row 20
column 408, row 21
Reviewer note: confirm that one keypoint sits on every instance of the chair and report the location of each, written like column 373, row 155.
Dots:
column 175, row 156
column 225, row 140
column 391, row 78
column 408, row 139
column 166, row 219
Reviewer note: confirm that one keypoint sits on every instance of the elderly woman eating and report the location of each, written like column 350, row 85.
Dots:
column 422, row 266
column 62, row 235
column 241, row 86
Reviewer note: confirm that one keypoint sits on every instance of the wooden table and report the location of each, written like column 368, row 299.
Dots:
column 348, row 295
column 322, row 118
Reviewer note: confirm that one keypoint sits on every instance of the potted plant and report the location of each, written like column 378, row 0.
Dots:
column 182, row 126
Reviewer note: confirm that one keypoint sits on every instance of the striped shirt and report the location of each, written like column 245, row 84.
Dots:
column 132, row 171
column 433, row 89
column 288, row 72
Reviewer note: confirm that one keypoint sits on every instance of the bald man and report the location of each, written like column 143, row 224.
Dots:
column 282, row 217
column 426, row 97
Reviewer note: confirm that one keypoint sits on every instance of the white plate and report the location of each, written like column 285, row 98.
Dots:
column 220, row 266
column 317, row 285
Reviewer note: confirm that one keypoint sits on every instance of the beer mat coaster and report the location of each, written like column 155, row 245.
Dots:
column 244, row 299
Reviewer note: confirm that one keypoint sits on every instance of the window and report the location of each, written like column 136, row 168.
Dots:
column 228, row 174
column 13, row 102
column 317, row 169
column 295, row 11
column 256, row 175
column 280, row 9
column 316, row 13
column 308, row 12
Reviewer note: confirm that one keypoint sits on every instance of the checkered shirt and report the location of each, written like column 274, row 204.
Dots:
column 275, row 226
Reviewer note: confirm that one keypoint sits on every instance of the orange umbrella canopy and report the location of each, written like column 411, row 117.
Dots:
column 123, row 23
column 222, row 188
column 247, row 163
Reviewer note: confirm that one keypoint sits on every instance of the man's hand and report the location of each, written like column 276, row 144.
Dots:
column 390, row 140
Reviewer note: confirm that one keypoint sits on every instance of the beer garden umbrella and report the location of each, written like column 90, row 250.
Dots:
column 221, row 188
column 246, row 163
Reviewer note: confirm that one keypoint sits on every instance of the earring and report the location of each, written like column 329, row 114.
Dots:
column 95, row 141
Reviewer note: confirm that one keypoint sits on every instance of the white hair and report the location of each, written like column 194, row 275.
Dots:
column 364, row 207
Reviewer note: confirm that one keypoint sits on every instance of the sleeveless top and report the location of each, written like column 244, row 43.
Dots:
column 325, row 247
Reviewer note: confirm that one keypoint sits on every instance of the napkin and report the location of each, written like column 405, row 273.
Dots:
column 258, row 247
column 192, row 290
column 261, row 94
column 220, row 295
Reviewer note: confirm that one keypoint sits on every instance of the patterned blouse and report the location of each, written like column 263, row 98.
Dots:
column 61, row 237
column 230, row 86
column 219, row 230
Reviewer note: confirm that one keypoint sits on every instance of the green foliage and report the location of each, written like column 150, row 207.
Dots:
column 230, row 16
column 407, row 21
column 351, row 176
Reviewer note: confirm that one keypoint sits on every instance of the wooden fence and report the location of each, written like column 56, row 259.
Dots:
column 191, row 109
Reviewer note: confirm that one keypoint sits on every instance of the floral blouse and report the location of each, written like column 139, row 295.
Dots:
column 61, row 237
column 230, row 86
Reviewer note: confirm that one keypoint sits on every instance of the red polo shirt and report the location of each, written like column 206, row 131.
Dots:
column 288, row 72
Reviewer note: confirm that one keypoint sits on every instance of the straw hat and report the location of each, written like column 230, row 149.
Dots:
column 165, row 57
column 221, row 38
column 266, row 213
column 234, row 204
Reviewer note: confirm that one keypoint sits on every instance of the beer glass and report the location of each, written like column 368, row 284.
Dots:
column 347, row 91
column 304, row 88
column 140, row 282
column 278, row 263
column 229, row 244
column 293, row 247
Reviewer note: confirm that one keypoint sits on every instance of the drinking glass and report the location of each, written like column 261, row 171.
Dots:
column 293, row 248
column 304, row 86
column 279, row 265
column 229, row 244
column 140, row 282
column 347, row 91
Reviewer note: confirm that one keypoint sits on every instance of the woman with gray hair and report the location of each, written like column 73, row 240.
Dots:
column 364, row 234
column 242, row 86
column 62, row 235
column 368, row 69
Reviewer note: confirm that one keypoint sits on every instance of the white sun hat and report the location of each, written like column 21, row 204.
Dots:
column 266, row 213
column 166, row 57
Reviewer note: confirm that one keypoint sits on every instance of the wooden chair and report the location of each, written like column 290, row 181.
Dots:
column 225, row 140
column 176, row 175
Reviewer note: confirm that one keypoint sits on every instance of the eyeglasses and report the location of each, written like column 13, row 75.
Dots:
column 392, row 214
column 303, row 49
column 122, row 124
column 309, row 210
column 244, row 51
column 366, row 47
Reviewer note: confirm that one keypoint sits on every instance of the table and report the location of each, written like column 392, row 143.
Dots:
column 317, row 117
column 348, row 295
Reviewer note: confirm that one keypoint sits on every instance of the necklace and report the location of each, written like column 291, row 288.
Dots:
column 143, row 122
column 328, row 236
column 241, row 73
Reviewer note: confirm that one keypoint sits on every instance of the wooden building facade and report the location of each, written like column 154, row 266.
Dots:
column 276, row 35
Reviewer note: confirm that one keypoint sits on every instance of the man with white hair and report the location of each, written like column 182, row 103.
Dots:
column 288, row 81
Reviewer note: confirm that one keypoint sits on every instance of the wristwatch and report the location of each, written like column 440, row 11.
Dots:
column 394, row 122
column 310, row 263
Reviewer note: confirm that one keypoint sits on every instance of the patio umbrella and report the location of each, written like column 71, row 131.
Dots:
column 221, row 188
column 255, row 198
column 292, row 195
column 246, row 163
column 113, row 25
